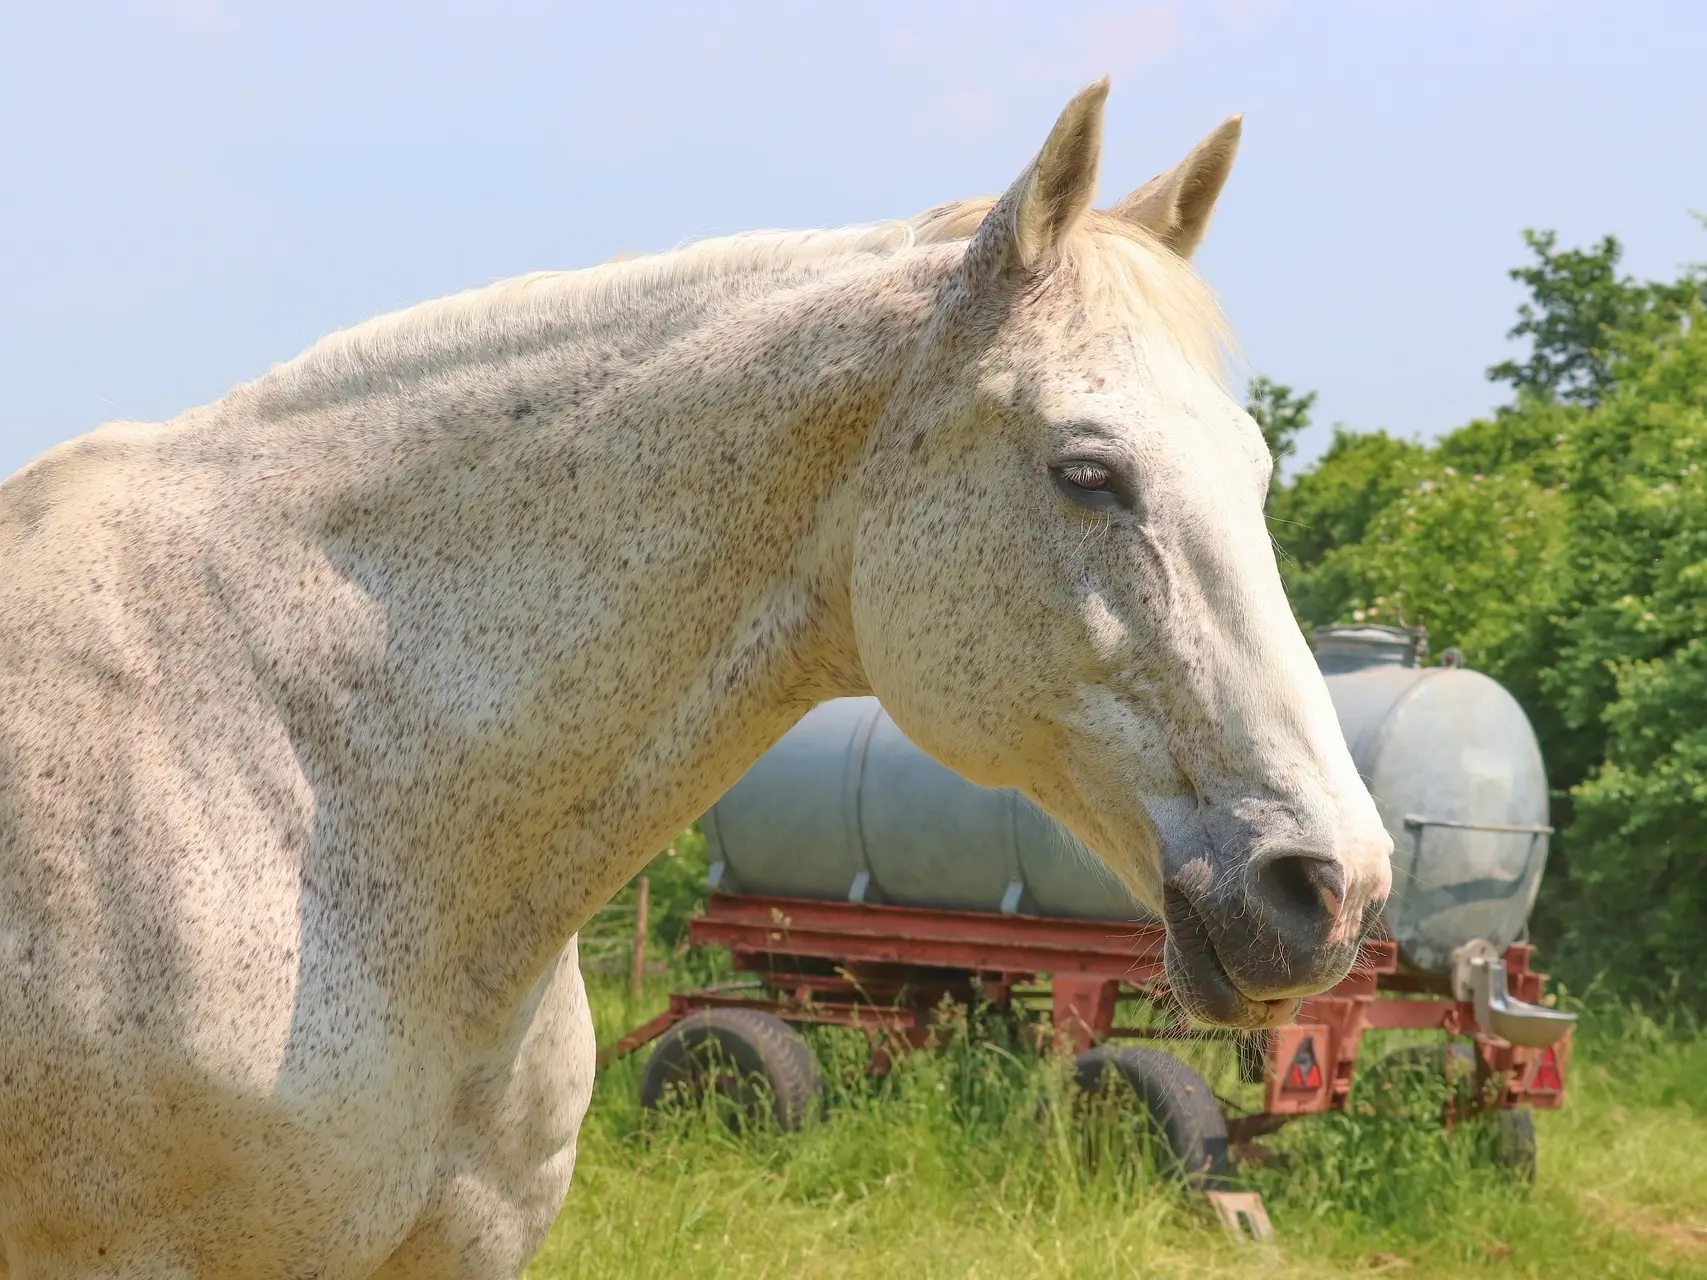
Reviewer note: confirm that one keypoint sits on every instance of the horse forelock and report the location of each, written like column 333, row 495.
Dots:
column 1132, row 280
column 1128, row 279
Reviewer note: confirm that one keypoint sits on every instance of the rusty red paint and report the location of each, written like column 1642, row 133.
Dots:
column 886, row 970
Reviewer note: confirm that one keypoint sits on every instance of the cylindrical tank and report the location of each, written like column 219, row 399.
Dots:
column 1456, row 772
column 845, row 807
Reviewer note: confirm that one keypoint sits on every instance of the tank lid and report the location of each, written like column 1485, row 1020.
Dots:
column 1353, row 648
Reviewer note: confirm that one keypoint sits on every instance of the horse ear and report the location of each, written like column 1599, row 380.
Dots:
column 1028, row 224
column 1175, row 206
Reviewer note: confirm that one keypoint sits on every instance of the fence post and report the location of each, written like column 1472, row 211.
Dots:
column 639, row 980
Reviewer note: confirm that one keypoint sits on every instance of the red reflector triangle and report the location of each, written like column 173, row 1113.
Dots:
column 1304, row 1073
column 1546, row 1078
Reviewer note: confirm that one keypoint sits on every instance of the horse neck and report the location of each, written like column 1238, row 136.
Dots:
column 737, row 453
column 622, row 580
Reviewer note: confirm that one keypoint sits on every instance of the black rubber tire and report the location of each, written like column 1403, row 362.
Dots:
column 750, row 1056
column 1514, row 1148
column 1512, row 1138
column 1180, row 1104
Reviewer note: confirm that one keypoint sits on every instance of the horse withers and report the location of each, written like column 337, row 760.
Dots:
column 331, row 710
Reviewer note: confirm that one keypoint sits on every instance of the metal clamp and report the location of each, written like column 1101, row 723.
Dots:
column 1533, row 1026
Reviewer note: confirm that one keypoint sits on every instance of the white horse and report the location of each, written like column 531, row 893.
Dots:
column 330, row 711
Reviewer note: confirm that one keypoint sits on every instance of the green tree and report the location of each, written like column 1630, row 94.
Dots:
column 1581, row 315
column 1562, row 544
column 1331, row 504
column 1629, row 681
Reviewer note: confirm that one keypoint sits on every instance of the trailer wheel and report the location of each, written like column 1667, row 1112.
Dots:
column 1179, row 1103
column 1514, row 1143
column 1510, row 1134
column 753, row 1059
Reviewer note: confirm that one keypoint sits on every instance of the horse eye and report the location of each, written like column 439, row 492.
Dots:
column 1090, row 476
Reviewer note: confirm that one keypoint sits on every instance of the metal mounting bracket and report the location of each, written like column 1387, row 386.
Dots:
column 1533, row 1026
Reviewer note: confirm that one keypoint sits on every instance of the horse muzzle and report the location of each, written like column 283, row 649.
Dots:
column 1242, row 952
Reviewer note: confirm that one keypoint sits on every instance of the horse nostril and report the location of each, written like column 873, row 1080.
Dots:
column 1302, row 886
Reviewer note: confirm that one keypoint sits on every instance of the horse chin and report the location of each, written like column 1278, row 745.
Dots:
column 1204, row 990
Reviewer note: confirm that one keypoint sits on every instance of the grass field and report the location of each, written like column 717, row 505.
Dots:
column 971, row 1163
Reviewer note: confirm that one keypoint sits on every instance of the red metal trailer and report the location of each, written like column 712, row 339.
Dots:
column 886, row 969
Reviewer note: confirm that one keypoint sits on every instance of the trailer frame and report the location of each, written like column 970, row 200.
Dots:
column 885, row 970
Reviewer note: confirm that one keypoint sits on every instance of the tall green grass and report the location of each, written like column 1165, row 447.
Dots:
column 978, row 1160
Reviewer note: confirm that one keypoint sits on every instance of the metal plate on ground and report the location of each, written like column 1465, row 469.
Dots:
column 1242, row 1214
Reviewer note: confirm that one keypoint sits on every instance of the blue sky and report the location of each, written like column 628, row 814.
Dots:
column 191, row 191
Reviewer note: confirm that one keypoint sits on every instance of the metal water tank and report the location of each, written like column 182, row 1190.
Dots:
column 845, row 807
column 1455, row 770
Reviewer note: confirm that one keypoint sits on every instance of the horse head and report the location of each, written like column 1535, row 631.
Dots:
column 1063, row 581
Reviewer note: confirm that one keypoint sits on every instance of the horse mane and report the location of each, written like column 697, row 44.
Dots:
column 1124, row 269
